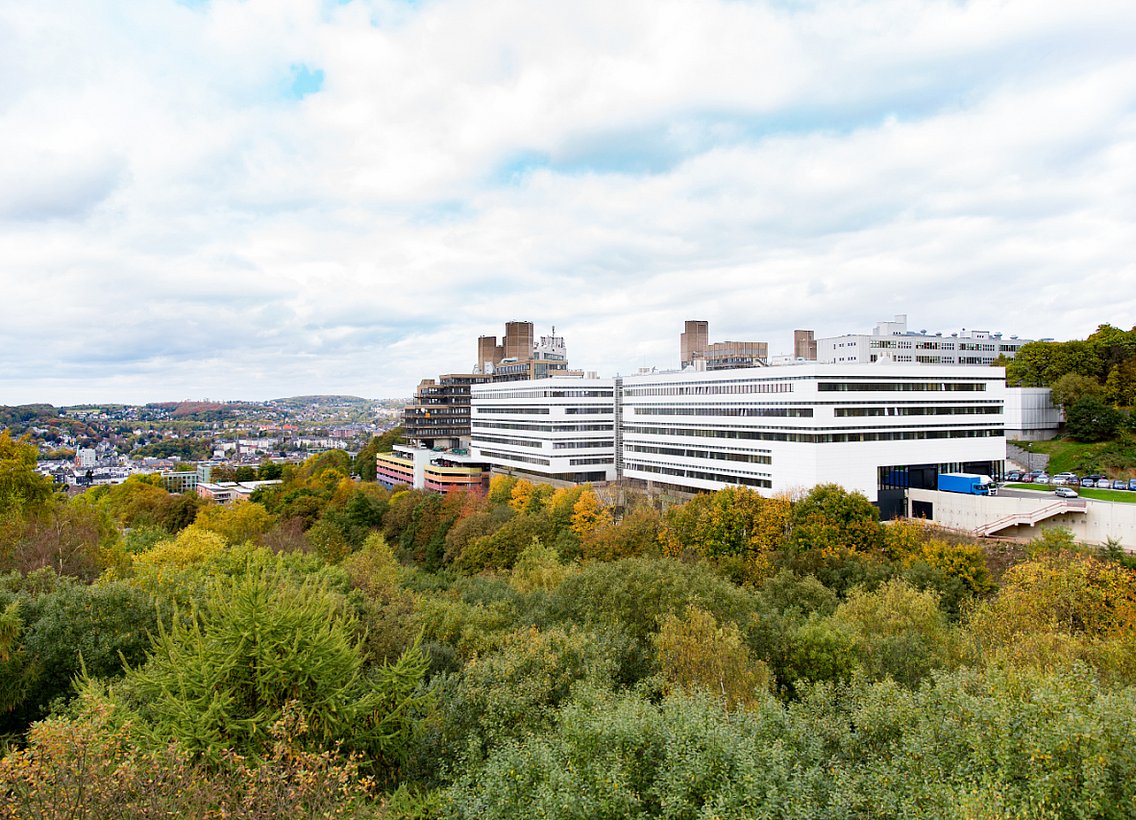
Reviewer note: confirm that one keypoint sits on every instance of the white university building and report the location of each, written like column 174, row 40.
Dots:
column 892, row 341
column 874, row 428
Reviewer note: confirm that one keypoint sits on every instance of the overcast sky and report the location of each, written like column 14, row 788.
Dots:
column 249, row 200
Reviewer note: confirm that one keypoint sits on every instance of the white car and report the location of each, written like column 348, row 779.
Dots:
column 1065, row 492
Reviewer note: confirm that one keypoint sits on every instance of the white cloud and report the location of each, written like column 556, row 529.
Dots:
column 174, row 224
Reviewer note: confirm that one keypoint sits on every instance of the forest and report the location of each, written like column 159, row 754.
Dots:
column 1093, row 380
column 332, row 648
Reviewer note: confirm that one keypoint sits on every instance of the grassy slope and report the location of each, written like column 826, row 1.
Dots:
column 1101, row 495
column 1116, row 459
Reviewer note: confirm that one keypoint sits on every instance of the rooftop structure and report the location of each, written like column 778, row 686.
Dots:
column 892, row 341
column 697, row 351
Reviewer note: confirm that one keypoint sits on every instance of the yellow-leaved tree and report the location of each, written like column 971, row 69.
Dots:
column 696, row 653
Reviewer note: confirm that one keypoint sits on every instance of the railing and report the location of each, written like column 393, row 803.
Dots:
column 1031, row 517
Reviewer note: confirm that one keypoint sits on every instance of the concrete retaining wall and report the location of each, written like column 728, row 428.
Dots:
column 1100, row 521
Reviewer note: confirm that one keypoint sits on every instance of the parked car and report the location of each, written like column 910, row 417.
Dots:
column 1014, row 475
column 1104, row 484
column 1132, row 484
column 1119, row 484
column 1042, row 478
column 1088, row 481
column 1027, row 478
column 1065, row 492
column 1065, row 478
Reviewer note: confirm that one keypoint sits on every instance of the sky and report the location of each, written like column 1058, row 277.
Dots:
column 250, row 200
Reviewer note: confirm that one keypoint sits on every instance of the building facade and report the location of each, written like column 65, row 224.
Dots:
column 804, row 346
column 693, row 342
column 876, row 429
column 425, row 469
column 892, row 341
column 698, row 352
column 556, row 428
column 784, row 429
column 1031, row 414
column 439, row 415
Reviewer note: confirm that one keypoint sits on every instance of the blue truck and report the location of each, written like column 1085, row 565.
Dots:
column 969, row 483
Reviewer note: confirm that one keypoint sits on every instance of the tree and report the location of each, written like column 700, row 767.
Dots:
column 1112, row 347
column 20, row 485
column 636, row 534
column 1072, row 387
column 726, row 522
column 538, row 567
column 1040, row 364
column 588, row 514
column 1091, row 419
column 898, row 631
column 68, row 628
column 262, row 642
column 364, row 463
column 237, row 523
column 1120, row 387
column 696, row 653
column 832, row 518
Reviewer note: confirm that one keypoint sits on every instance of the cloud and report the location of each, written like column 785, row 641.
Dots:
column 272, row 197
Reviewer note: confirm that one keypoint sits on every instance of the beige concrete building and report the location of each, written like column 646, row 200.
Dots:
column 696, row 350
column 693, row 342
column 804, row 345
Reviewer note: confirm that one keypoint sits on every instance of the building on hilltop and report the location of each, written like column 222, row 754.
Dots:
column 439, row 415
column 892, row 341
column 693, row 342
column 877, row 429
column 698, row 352
column 518, row 356
column 438, row 418
column 804, row 346
column 561, row 429
column 425, row 469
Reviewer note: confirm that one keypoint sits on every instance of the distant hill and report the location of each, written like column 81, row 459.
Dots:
column 308, row 401
column 28, row 414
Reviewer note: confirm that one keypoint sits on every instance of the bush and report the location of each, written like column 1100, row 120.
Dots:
column 220, row 678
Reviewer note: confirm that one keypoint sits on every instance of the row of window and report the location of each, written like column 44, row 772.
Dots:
column 749, row 458
column 586, row 444
column 935, row 344
column 537, row 393
column 775, row 412
column 700, row 474
column 537, row 444
column 534, row 411
column 581, row 462
column 514, row 457
column 536, row 427
column 814, row 438
column 544, row 411
column 970, row 410
column 901, row 387
column 710, row 389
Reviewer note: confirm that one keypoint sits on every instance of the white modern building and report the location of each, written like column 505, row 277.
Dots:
column 877, row 428
column 892, row 341
column 1031, row 414
column 560, row 428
